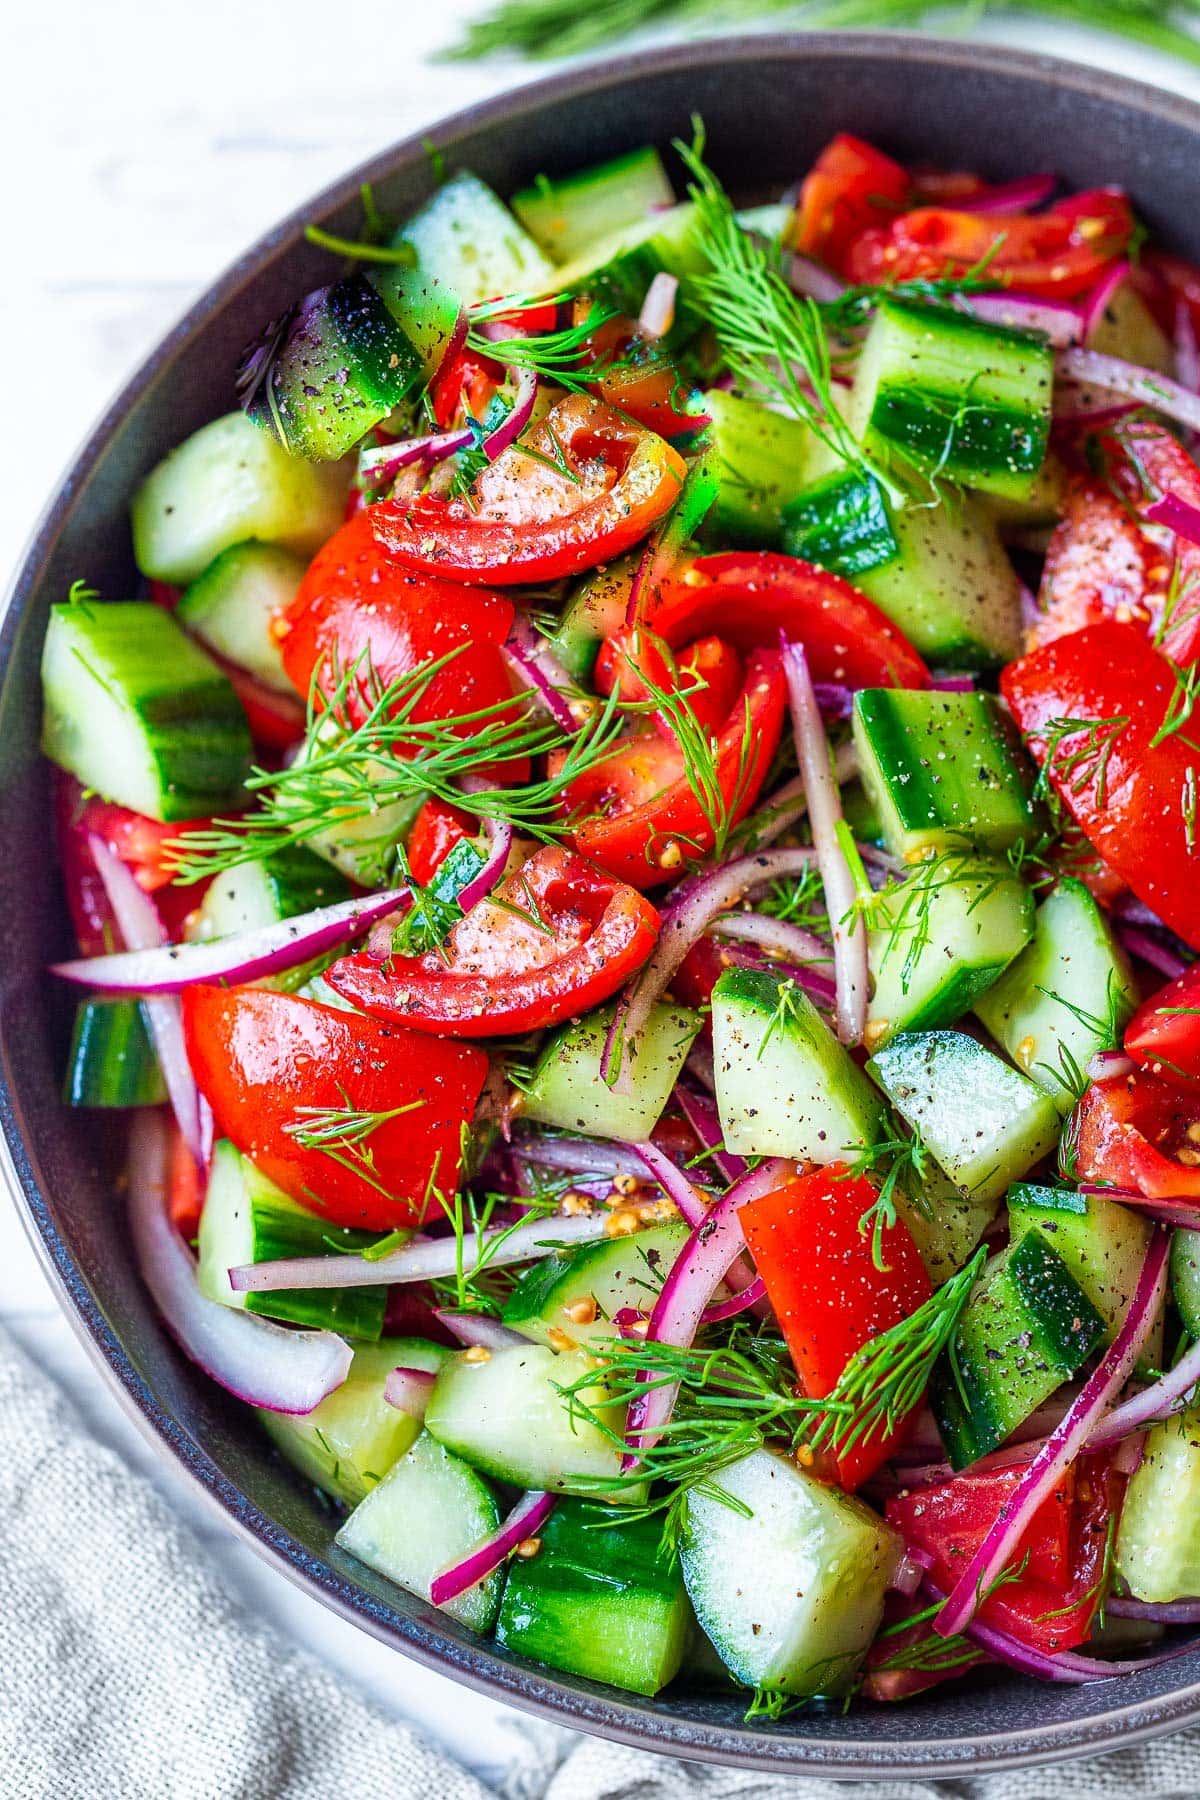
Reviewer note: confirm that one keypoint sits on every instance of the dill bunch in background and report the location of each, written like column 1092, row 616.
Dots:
column 551, row 28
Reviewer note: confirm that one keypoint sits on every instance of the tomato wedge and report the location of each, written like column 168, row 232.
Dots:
column 135, row 840
column 1141, row 1134
column 828, row 1295
column 850, row 188
column 557, row 938
column 1056, row 254
column 640, row 816
column 580, row 489
column 1162, row 466
column 1164, row 1033
column 435, row 831
column 636, row 377
column 262, row 1058
column 1092, row 705
column 1099, row 565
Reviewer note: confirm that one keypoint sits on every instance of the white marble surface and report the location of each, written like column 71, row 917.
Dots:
column 142, row 148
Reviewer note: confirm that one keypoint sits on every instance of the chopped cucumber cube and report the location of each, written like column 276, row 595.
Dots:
column 556, row 1294
column 760, row 461
column 254, row 894
column 984, row 1123
column 112, row 1061
column 946, row 1225
column 1102, row 1243
column 467, row 240
column 568, row 1090
column 595, row 610
column 230, row 607
column 785, row 1086
column 1158, row 1540
column 566, row 214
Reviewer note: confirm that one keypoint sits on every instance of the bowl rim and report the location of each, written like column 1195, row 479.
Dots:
column 601, row 1712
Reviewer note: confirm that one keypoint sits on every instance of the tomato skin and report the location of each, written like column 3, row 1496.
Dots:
column 750, row 597
column 645, row 386
column 1130, row 1131
column 505, row 975
column 640, row 813
column 1130, row 805
column 709, row 671
column 1056, row 254
column 435, row 831
column 525, row 522
column 826, row 1291
column 1099, row 566
column 851, row 187
column 1161, row 465
column 185, row 1185
column 258, row 1056
column 138, row 842
column 1164, row 1033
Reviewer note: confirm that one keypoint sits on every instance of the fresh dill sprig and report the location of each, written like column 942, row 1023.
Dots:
column 904, row 1161
column 341, row 1133
column 773, row 341
column 1081, row 764
column 81, row 593
column 371, row 246
column 350, row 771
column 550, row 28
column 1180, row 705
column 557, row 356
column 797, row 902
column 482, row 1287
column 1069, row 1075
column 902, row 912
column 719, row 800
column 885, row 1379
column 430, row 917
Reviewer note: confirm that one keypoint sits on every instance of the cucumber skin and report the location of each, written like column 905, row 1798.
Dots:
column 230, row 607
column 760, row 461
column 599, row 1600
column 293, row 881
column 1158, row 1539
column 1102, row 1243
column 564, row 217
column 111, row 1062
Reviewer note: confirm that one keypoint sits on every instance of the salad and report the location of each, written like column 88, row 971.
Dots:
column 635, row 866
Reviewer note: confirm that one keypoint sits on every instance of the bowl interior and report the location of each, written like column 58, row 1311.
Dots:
column 768, row 105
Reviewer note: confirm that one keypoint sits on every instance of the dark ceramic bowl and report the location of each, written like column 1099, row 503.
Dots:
column 769, row 104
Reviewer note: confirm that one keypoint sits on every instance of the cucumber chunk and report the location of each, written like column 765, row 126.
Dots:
column 940, row 573
column 1102, row 1243
column 228, row 482
column 254, row 894
column 595, row 610
column 138, row 712
column 939, row 939
column 600, row 1600
column 429, row 1511
column 785, row 1086
column 1185, row 1278
column 946, row 1225
column 247, row 1219
column 943, row 771
column 111, row 1061
column 467, row 240
column 792, row 1595
column 231, row 606
column 506, row 1416
column 347, row 1444
column 1127, row 328
column 760, row 460
column 958, row 398
column 1158, row 1540
column 565, row 214
column 607, row 1275
column 618, row 269
column 984, row 1123
column 1027, row 1328
column 1070, row 994
column 568, row 1090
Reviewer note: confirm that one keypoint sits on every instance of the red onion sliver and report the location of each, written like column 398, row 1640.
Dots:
column 1064, row 1443
column 753, row 1294
column 1109, row 1063
column 779, row 936
column 246, row 956
column 701, row 1114
column 516, row 418
column 693, row 1205
column 408, row 1390
column 477, row 1330
column 816, row 283
column 142, row 930
column 1009, row 196
column 1166, row 1212
column 1165, row 1397
column 1145, row 386
column 1177, row 514
column 580, row 1156
column 1141, row 944
column 790, row 802
column 1187, row 355
column 825, row 814
column 1061, row 324
column 658, row 308
column 691, row 910
column 526, row 1517
column 1095, row 302
column 383, row 461
column 914, row 1566
column 1066, row 1666
column 499, row 833
column 421, row 1259
column 1158, row 1612
column 267, row 1365
column 536, row 668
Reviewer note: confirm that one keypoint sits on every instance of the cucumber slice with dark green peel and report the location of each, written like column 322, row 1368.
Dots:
column 231, row 606
column 506, row 1416
column 760, row 460
column 595, row 610
column 427, row 310
column 1102, row 1243
column 938, row 940
column 984, row 1124
column 225, row 484
column 468, row 240
column 565, row 214
column 784, row 1085
column 789, row 1581
column 599, row 1600
column 940, row 573
column 247, row 1219
column 577, row 1293
column 617, row 271
column 944, row 771
column 429, row 1511
column 1185, row 1279
column 957, row 398
column 1066, row 997
column 1027, row 1328
column 347, row 1444
column 1158, row 1539
column 946, row 1225
column 569, row 1091
column 111, row 1061
column 254, row 894
column 139, row 713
